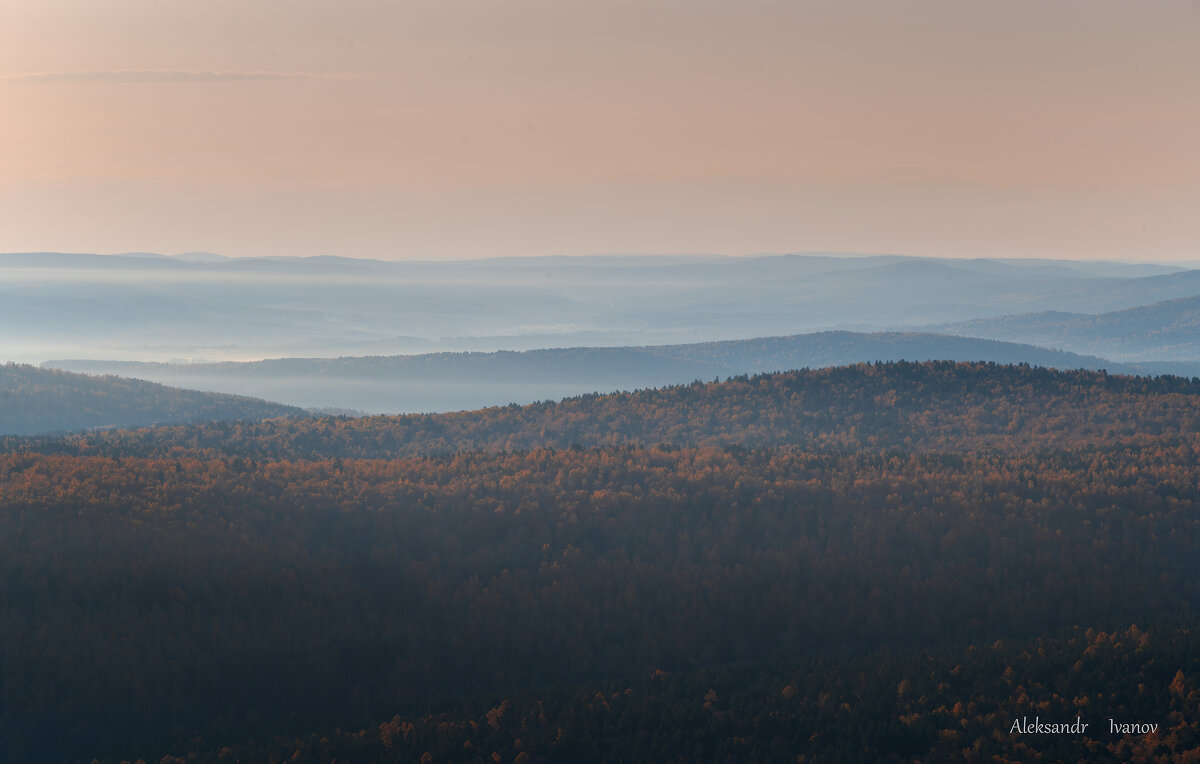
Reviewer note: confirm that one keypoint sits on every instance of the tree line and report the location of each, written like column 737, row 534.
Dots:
column 155, row 600
column 896, row 405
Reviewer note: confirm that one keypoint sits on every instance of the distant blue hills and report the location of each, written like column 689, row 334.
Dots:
column 380, row 336
column 1148, row 333
column 457, row 381
column 202, row 306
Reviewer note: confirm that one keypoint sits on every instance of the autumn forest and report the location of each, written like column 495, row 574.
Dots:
column 880, row 562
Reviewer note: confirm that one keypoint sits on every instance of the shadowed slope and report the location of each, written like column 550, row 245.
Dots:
column 34, row 400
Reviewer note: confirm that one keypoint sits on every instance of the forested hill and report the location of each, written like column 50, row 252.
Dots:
column 932, row 405
column 442, row 382
column 154, row 606
column 211, row 599
column 34, row 400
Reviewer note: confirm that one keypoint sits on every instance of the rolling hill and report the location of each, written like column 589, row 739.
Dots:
column 34, row 400
column 1162, row 331
column 880, row 562
column 160, row 308
column 464, row 381
column 897, row 405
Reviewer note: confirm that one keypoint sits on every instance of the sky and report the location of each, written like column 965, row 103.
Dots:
column 443, row 129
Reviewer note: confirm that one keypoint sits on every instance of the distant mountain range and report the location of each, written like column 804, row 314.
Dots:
column 201, row 306
column 36, row 400
column 1163, row 331
column 461, row 381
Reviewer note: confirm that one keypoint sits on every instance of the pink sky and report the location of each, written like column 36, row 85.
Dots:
column 472, row 128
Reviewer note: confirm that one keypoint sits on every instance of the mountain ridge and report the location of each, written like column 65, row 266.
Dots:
column 462, row 381
column 34, row 400
column 158, row 308
column 1168, row 330
column 874, row 407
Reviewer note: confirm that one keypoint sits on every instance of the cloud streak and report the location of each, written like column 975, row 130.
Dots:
column 128, row 76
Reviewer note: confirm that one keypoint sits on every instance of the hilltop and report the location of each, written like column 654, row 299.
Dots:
column 1162, row 331
column 895, row 405
column 34, row 400
column 893, row 542
column 438, row 382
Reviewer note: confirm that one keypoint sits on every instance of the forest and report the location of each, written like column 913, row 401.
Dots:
column 889, row 706
column 938, row 405
column 35, row 400
column 877, row 562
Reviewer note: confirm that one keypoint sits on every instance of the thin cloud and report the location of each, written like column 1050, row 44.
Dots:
column 124, row 76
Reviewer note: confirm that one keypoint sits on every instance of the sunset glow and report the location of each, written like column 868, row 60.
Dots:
column 438, row 130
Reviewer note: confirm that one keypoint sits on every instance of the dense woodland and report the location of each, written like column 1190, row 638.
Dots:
column 34, row 400
column 923, row 406
column 886, row 706
column 880, row 562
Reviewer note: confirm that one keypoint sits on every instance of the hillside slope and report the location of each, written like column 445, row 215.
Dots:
column 436, row 382
column 932, row 405
column 68, row 306
column 885, row 530
column 1162, row 331
column 34, row 400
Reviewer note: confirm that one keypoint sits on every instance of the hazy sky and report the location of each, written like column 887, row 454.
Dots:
column 473, row 128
